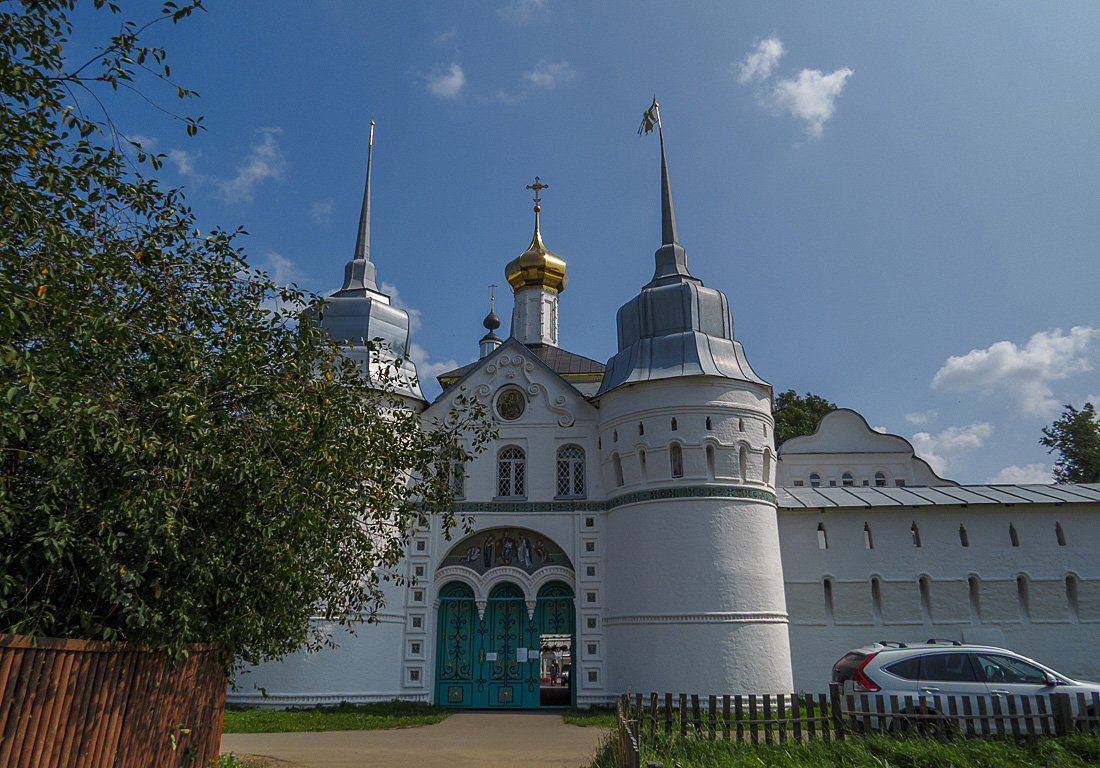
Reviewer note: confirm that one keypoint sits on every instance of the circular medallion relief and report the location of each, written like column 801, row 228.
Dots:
column 511, row 404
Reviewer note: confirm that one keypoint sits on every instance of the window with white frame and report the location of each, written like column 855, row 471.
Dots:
column 511, row 473
column 571, row 472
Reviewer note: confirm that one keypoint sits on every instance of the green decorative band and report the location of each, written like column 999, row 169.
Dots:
column 587, row 505
column 692, row 492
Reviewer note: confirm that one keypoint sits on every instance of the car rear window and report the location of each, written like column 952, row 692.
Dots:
column 906, row 669
column 846, row 668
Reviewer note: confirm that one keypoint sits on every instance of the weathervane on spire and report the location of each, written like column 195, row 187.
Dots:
column 651, row 117
column 538, row 186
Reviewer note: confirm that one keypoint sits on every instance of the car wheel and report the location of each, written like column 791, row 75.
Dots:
column 921, row 721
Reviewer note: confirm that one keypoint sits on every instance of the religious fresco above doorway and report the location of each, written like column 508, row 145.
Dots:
column 517, row 547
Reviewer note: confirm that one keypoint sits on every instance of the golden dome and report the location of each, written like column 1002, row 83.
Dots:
column 536, row 265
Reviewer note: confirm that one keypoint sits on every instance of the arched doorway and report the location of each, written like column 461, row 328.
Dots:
column 505, row 629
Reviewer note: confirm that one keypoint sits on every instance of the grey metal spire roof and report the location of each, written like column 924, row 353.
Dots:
column 675, row 326
column 359, row 312
column 359, row 273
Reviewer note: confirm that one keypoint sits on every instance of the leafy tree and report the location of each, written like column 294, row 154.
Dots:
column 178, row 462
column 795, row 415
column 1076, row 437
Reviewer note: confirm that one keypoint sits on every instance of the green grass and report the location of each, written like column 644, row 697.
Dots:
column 867, row 752
column 342, row 717
column 600, row 717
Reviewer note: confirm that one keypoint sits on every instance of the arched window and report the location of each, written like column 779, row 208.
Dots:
column 914, row 531
column 511, row 473
column 868, row 539
column 676, row 459
column 827, row 585
column 1060, row 534
column 1013, row 536
column 925, row 587
column 822, row 537
column 880, row 480
column 710, row 461
column 767, row 465
column 617, row 468
column 1071, row 597
column 847, row 479
column 815, row 480
column 1023, row 593
column 876, row 598
column 974, row 586
column 963, row 538
column 571, row 472
column 743, row 463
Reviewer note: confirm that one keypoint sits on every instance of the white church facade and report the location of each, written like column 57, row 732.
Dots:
column 635, row 527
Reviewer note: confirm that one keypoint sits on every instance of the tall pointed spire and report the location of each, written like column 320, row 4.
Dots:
column 359, row 273
column 671, row 259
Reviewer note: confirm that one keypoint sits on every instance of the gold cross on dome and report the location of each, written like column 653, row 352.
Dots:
column 538, row 186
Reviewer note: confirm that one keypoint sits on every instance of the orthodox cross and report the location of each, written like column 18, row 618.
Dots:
column 538, row 186
column 492, row 287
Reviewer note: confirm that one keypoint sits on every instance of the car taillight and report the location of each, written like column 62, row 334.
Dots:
column 861, row 680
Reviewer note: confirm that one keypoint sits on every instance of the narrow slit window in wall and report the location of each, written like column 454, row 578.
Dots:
column 709, row 424
column 828, row 587
column 1023, row 593
column 876, row 597
column 964, row 539
column 676, row 459
column 914, row 531
column 868, row 539
column 1013, row 536
column 743, row 463
column 1060, row 534
column 1071, row 597
column 710, row 461
column 822, row 537
column 642, row 466
column 740, row 425
column 617, row 467
column 641, row 428
column 674, row 424
column 925, row 588
column 974, row 586
column 767, row 465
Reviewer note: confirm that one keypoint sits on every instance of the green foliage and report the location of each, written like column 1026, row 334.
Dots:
column 342, row 717
column 869, row 752
column 232, row 761
column 184, row 456
column 796, row 416
column 1076, row 437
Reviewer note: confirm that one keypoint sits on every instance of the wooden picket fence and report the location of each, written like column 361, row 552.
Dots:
column 89, row 704
column 800, row 717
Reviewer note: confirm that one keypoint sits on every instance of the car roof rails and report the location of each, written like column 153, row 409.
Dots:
column 892, row 644
column 937, row 641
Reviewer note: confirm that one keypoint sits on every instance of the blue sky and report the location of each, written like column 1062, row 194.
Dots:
column 899, row 200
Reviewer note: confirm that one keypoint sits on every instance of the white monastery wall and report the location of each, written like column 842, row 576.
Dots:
column 1028, row 579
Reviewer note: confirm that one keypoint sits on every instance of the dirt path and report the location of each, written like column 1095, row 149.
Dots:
column 463, row 740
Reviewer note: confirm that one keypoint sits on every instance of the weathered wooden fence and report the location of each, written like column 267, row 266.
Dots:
column 92, row 704
column 799, row 717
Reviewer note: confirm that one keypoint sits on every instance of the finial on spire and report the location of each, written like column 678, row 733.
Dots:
column 491, row 321
column 538, row 186
column 650, row 118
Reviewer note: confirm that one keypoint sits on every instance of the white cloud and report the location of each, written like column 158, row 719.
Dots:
column 521, row 11
column 811, row 97
column 920, row 418
column 184, row 161
column 148, row 143
column 759, row 63
column 395, row 299
column 1023, row 372
column 941, row 449
column 880, row 430
column 1095, row 400
column 321, row 211
column 446, row 82
column 550, row 76
column 1026, row 475
column 446, row 36
column 279, row 268
column 264, row 161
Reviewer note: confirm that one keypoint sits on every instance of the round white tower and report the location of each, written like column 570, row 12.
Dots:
column 692, row 560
